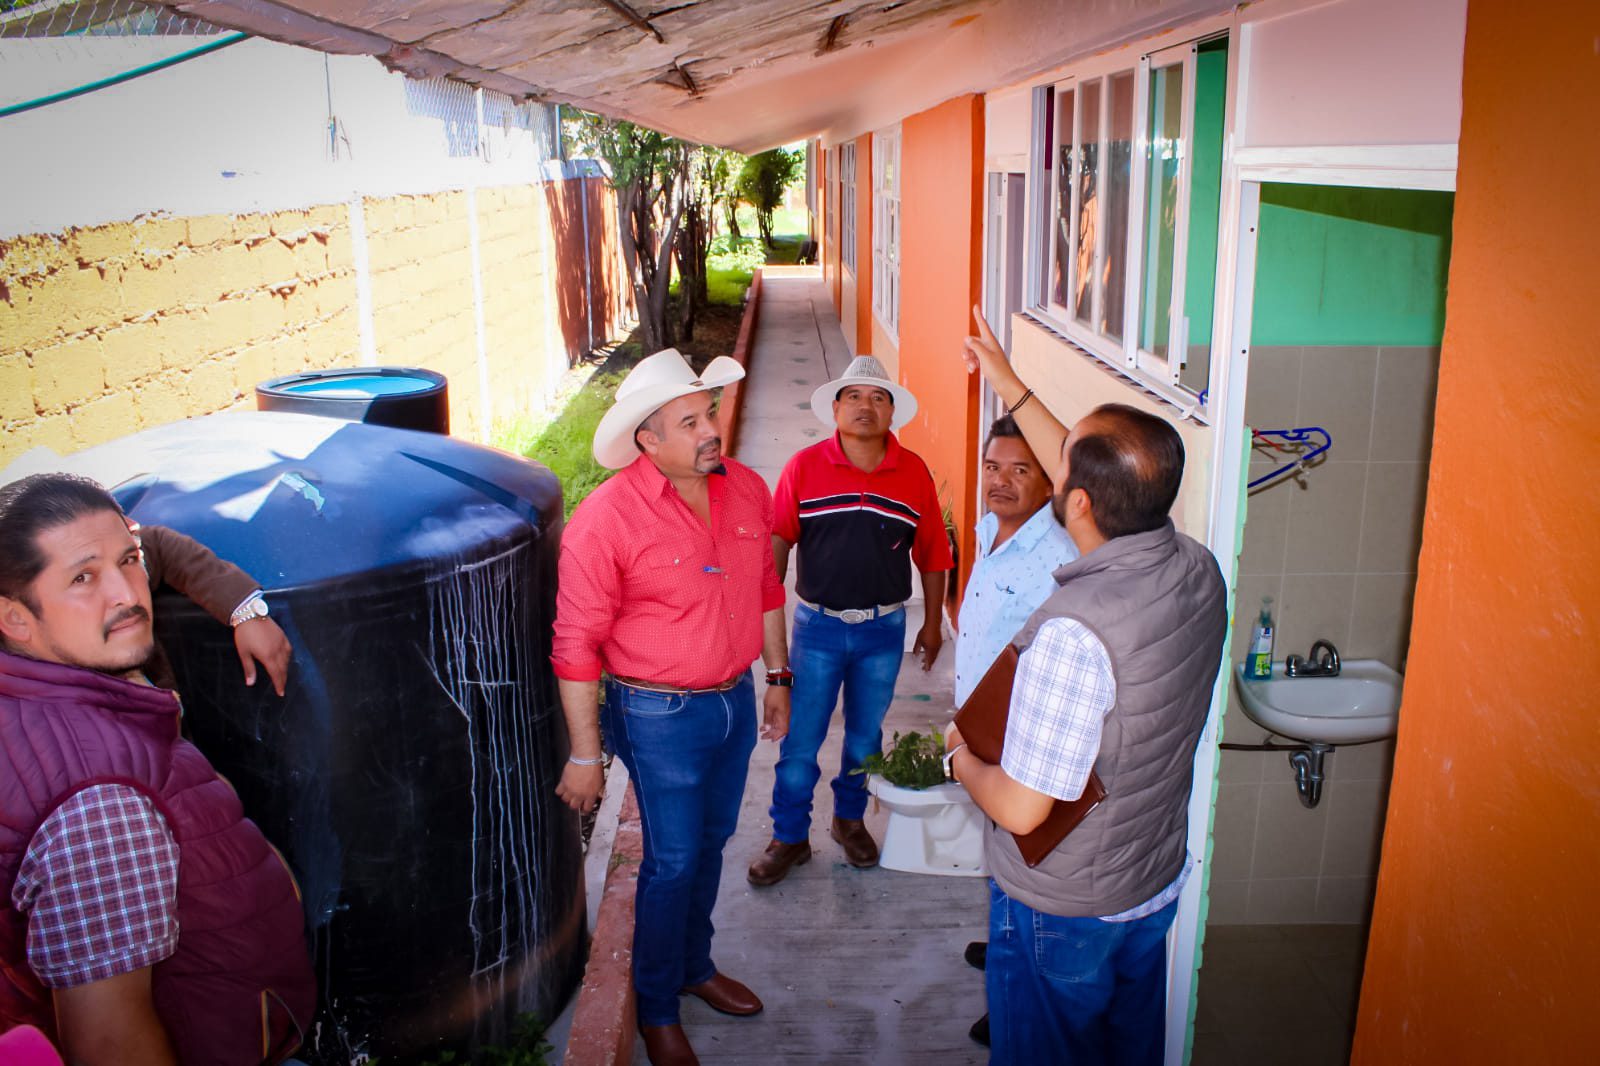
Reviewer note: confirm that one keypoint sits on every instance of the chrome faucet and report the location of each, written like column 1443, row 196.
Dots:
column 1322, row 662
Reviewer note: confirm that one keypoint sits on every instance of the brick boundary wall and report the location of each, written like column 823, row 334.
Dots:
column 603, row 1029
column 112, row 329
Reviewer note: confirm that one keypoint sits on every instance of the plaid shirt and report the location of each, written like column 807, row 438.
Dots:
column 1059, row 701
column 99, row 887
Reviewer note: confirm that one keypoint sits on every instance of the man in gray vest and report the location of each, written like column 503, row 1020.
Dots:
column 1116, row 675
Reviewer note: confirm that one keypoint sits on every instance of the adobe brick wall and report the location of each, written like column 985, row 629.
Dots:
column 108, row 330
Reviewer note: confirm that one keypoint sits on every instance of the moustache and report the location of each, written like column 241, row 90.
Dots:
column 123, row 616
column 710, row 447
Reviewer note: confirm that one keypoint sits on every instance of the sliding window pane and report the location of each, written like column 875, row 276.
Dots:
column 1061, row 231
column 1087, row 202
column 1162, row 159
column 1119, row 189
column 1205, row 195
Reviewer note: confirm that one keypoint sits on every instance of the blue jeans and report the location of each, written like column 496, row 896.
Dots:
column 827, row 654
column 688, row 757
column 1075, row 991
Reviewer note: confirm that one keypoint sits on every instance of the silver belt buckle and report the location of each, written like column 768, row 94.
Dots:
column 854, row 615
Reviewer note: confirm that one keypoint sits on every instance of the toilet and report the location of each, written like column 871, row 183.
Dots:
column 936, row 830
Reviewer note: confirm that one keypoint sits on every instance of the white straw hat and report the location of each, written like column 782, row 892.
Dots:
column 865, row 370
column 655, row 382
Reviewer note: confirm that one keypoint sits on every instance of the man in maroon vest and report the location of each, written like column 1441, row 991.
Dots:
column 146, row 920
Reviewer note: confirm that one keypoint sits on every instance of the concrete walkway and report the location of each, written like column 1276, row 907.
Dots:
column 855, row 966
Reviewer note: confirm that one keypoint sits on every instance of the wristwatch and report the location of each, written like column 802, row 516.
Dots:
column 949, row 756
column 254, row 606
column 783, row 677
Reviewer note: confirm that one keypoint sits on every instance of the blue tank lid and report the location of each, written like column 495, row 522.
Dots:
column 297, row 499
column 359, row 386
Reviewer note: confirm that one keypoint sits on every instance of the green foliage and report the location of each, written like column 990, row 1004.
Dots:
column 528, row 1047
column 764, row 178
column 566, row 444
column 914, row 760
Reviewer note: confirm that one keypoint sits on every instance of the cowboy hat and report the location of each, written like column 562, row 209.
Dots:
column 655, row 382
column 865, row 370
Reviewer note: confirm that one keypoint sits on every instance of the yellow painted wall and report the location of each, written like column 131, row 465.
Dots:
column 108, row 330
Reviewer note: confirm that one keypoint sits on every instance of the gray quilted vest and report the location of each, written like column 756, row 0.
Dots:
column 1158, row 603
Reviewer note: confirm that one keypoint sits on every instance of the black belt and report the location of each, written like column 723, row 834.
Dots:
column 669, row 690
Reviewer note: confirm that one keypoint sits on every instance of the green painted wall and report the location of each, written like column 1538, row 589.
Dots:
column 1205, row 187
column 1337, row 265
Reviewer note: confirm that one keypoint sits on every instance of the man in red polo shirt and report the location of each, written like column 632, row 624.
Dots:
column 667, row 584
column 862, row 510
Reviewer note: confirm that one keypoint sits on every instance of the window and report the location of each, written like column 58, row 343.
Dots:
column 886, row 229
column 847, row 206
column 1127, row 183
column 830, row 196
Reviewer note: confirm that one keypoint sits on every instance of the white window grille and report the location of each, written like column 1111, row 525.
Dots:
column 1115, row 150
column 830, row 196
column 847, row 206
column 886, row 229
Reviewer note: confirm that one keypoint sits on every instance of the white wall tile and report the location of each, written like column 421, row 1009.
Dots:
column 1288, row 835
column 1380, row 623
column 1273, row 394
column 1325, row 517
column 1402, row 414
column 1283, row 900
column 1391, row 530
column 1355, row 827
column 1314, row 607
column 1345, row 900
column 1336, row 387
column 1233, row 830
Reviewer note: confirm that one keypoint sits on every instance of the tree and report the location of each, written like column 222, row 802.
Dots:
column 763, row 180
column 650, row 178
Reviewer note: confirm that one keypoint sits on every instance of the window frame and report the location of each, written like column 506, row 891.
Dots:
column 847, row 207
column 1126, row 353
column 886, row 220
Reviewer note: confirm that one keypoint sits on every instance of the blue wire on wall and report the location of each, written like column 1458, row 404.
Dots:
column 1302, row 436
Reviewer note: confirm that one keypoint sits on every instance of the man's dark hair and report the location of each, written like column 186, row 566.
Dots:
column 35, row 505
column 1130, row 463
column 1004, row 426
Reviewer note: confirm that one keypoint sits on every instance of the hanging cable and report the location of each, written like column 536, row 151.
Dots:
column 127, row 75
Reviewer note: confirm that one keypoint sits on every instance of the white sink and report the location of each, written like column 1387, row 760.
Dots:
column 1361, row 704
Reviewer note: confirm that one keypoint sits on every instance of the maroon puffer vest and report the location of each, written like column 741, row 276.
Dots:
column 239, row 988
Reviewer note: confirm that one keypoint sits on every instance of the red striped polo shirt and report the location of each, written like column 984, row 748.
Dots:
column 860, row 533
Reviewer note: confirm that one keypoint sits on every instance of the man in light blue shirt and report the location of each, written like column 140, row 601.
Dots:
column 1020, row 546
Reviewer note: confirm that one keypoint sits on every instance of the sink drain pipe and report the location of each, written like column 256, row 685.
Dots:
column 1305, row 762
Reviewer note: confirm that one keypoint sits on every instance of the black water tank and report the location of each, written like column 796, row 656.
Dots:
column 401, row 396
column 409, row 772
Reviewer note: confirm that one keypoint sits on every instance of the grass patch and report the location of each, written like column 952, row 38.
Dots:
column 566, row 443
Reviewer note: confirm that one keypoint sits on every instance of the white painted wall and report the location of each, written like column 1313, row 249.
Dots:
column 1351, row 72
column 257, row 126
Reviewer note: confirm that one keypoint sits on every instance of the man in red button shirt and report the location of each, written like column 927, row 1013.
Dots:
column 668, row 586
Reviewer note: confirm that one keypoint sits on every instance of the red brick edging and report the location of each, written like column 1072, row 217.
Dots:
column 733, row 395
column 602, row 1031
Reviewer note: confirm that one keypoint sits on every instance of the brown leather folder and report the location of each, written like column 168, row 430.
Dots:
column 982, row 721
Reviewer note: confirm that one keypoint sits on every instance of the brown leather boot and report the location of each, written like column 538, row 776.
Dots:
column 668, row 1046
column 723, row 993
column 772, row 865
column 859, row 848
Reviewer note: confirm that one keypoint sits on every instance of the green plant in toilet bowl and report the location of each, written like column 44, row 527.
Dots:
column 912, row 760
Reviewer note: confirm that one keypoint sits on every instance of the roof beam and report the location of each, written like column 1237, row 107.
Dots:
column 634, row 17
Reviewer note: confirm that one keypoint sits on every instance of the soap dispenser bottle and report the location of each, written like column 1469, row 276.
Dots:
column 1259, row 665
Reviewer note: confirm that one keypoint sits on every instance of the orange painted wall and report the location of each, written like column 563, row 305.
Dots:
column 941, row 248
column 1485, row 942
